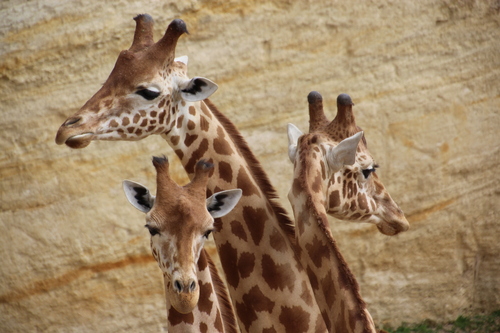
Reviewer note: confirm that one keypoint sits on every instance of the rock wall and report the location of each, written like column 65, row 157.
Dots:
column 425, row 77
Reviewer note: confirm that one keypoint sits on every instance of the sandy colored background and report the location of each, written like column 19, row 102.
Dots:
column 425, row 78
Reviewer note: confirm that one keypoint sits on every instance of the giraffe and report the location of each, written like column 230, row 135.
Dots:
column 148, row 92
column 335, row 174
column 179, row 219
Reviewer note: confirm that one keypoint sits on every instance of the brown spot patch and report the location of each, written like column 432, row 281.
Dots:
column 113, row 123
column 246, row 314
column 246, row 264
column 204, row 303
column 277, row 276
column 317, row 250
column 190, row 125
column 306, row 295
column 188, row 141
column 161, row 117
column 334, row 199
column 362, row 202
column 221, row 146
column 229, row 258
column 246, row 184
column 204, row 124
column 238, row 230
column 176, row 318
column 175, row 139
column 196, row 156
column 179, row 121
column 294, row 319
column 255, row 219
column 218, row 322
column 277, row 241
column 258, row 300
column 192, row 110
column 225, row 171
column 296, row 187
column 137, row 117
column 329, row 289
column 179, row 153
column 125, row 121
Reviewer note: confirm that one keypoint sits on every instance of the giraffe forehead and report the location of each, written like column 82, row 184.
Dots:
column 181, row 218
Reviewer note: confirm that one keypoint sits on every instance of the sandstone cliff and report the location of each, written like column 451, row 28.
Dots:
column 425, row 78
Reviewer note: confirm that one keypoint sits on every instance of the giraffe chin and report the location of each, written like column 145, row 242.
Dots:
column 183, row 302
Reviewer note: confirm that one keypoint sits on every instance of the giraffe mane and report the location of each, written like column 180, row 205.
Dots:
column 258, row 172
column 226, row 307
column 322, row 221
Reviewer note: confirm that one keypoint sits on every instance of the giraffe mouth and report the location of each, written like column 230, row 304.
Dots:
column 79, row 141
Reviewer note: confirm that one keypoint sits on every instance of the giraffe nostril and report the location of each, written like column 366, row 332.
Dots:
column 178, row 286
column 72, row 121
column 192, row 286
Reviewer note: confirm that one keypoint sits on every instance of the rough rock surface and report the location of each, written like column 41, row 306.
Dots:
column 425, row 77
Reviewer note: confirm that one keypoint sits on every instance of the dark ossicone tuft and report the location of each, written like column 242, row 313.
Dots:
column 344, row 99
column 314, row 97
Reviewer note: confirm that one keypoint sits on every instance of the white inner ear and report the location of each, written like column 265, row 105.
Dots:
column 197, row 89
column 344, row 153
column 183, row 59
column 143, row 201
column 293, row 137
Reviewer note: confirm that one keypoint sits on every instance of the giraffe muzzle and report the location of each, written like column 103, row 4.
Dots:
column 183, row 295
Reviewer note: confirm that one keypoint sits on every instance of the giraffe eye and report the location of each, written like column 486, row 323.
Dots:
column 148, row 94
column 207, row 233
column 152, row 230
column 367, row 172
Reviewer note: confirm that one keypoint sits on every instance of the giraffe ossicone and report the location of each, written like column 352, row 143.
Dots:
column 179, row 220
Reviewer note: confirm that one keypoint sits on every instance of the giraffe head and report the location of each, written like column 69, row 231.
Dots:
column 343, row 167
column 179, row 220
column 142, row 95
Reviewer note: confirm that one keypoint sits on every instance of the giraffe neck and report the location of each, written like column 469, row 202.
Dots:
column 213, row 313
column 268, row 286
column 335, row 288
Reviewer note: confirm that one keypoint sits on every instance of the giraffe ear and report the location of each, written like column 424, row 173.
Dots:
column 221, row 203
column 344, row 153
column 197, row 89
column 138, row 195
column 293, row 137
